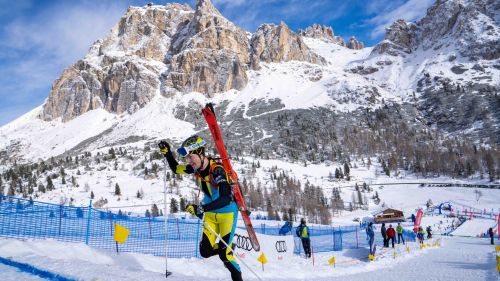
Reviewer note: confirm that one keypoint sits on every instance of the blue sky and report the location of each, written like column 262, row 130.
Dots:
column 40, row 38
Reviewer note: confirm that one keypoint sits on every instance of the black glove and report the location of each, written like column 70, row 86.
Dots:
column 164, row 148
column 195, row 210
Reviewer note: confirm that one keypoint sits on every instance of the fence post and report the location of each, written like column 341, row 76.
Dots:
column 357, row 244
column 333, row 234
column 197, row 238
column 341, row 243
column 150, row 233
column 88, row 223
column 60, row 218
column 110, row 215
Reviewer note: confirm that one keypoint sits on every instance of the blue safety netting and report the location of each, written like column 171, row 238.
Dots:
column 21, row 218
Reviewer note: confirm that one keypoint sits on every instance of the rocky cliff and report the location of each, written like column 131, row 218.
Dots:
column 168, row 49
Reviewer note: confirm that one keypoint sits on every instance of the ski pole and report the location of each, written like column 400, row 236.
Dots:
column 167, row 273
column 224, row 242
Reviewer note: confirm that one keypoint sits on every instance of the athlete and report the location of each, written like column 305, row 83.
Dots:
column 218, row 210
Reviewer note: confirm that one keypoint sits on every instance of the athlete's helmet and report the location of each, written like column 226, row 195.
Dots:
column 192, row 145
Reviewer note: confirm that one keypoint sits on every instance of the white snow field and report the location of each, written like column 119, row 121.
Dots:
column 457, row 258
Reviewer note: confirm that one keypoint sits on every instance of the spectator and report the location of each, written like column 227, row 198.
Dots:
column 420, row 235
column 370, row 236
column 303, row 233
column 492, row 234
column 399, row 230
column 391, row 234
column 286, row 228
column 384, row 235
column 429, row 232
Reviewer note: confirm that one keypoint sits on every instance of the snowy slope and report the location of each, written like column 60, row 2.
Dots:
column 84, row 263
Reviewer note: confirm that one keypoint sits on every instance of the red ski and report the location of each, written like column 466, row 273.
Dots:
column 209, row 114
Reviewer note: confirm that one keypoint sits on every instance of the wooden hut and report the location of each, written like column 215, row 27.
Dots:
column 389, row 215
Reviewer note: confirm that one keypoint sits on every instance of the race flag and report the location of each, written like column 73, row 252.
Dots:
column 263, row 260
column 420, row 213
column 121, row 233
column 331, row 261
column 408, row 249
column 371, row 257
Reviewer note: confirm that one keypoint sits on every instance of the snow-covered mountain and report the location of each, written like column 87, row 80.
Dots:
column 280, row 94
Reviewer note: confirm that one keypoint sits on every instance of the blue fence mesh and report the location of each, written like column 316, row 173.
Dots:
column 21, row 218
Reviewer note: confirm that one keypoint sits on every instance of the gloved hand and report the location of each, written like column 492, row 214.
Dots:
column 164, row 148
column 195, row 210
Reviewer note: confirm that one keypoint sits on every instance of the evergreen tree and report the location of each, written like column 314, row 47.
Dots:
column 337, row 173
column 50, row 185
column 92, row 195
column 270, row 211
column 174, row 208
column 41, row 188
column 12, row 189
column 347, row 171
column 117, row 189
column 148, row 214
column 182, row 204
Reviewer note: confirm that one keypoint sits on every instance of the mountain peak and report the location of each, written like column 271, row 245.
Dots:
column 206, row 7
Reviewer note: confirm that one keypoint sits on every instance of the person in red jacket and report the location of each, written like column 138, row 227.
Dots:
column 391, row 233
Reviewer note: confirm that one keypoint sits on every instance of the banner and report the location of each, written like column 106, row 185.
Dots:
column 275, row 248
column 417, row 220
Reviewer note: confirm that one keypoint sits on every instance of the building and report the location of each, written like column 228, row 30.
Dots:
column 389, row 215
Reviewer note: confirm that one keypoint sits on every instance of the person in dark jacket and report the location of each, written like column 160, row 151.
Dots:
column 384, row 234
column 492, row 234
column 303, row 233
column 391, row 234
column 429, row 232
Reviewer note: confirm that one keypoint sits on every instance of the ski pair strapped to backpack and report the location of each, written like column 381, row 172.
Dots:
column 209, row 114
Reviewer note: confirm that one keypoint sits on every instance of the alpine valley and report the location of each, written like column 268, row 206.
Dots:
column 423, row 102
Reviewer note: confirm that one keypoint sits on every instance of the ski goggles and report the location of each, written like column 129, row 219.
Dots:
column 185, row 150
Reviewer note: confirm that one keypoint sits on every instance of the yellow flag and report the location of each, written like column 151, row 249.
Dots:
column 408, row 249
column 121, row 233
column 497, row 248
column 498, row 267
column 422, row 246
column 498, row 259
column 331, row 260
column 428, row 245
column 371, row 257
column 262, row 259
column 394, row 254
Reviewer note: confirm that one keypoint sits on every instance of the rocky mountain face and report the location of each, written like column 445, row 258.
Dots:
column 326, row 98
column 271, row 43
column 322, row 32
column 326, row 33
column 209, row 54
column 470, row 26
column 355, row 44
column 449, row 61
column 168, row 49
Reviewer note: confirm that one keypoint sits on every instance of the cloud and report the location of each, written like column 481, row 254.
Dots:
column 409, row 11
column 36, row 48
